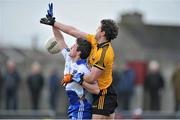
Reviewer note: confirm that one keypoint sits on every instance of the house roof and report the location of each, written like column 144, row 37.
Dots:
column 155, row 40
column 20, row 55
column 157, row 37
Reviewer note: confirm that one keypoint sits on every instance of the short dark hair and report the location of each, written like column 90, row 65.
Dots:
column 84, row 47
column 110, row 28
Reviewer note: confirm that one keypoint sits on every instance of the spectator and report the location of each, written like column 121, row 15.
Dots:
column 11, row 84
column 54, row 84
column 35, row 83
column 176, row 86
column 115, row 74
column 1, row 86
column 115, row 83
column 126, row 86
column 153, row 84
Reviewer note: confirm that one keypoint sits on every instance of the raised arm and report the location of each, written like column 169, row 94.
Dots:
column 50, row 20
column 65, row 28
column 70, row 30
column 59, row 38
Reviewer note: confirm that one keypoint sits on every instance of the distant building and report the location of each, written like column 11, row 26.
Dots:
column 140, row 41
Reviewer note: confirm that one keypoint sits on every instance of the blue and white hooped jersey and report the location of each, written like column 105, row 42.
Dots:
column 77, row 109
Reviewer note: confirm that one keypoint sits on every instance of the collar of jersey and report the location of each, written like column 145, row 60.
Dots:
column 101, row 45
column 81, row 61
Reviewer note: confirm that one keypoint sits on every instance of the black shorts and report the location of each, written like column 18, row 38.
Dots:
column 106, row 103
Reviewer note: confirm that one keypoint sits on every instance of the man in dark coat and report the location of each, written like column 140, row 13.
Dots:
column 153, row 84
column 11, row 85
column 35, row 83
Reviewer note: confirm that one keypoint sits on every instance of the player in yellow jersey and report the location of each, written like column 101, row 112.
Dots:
column 101, row 60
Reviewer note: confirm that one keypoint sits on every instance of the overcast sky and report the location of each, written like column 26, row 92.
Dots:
column 19, row 19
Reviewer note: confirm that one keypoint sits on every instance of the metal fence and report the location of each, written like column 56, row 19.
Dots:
column 49, row 114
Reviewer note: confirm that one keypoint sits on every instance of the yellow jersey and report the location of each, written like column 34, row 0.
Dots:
column 102, row 57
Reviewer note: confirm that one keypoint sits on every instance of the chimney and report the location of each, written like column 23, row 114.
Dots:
column 133, row 18
column 34, row 42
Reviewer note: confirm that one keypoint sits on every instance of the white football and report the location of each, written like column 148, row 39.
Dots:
column 52, row 46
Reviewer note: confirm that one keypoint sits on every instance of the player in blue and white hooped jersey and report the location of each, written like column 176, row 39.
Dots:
column 76, row 63
column 79, row 106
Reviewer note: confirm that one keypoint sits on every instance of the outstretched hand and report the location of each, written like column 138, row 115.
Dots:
column 49, row 19
column 50, row 10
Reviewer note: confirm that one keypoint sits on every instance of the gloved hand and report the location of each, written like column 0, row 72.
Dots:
column 50, row 10
column 67, row 79
column 49, row 19
column 78, row 77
